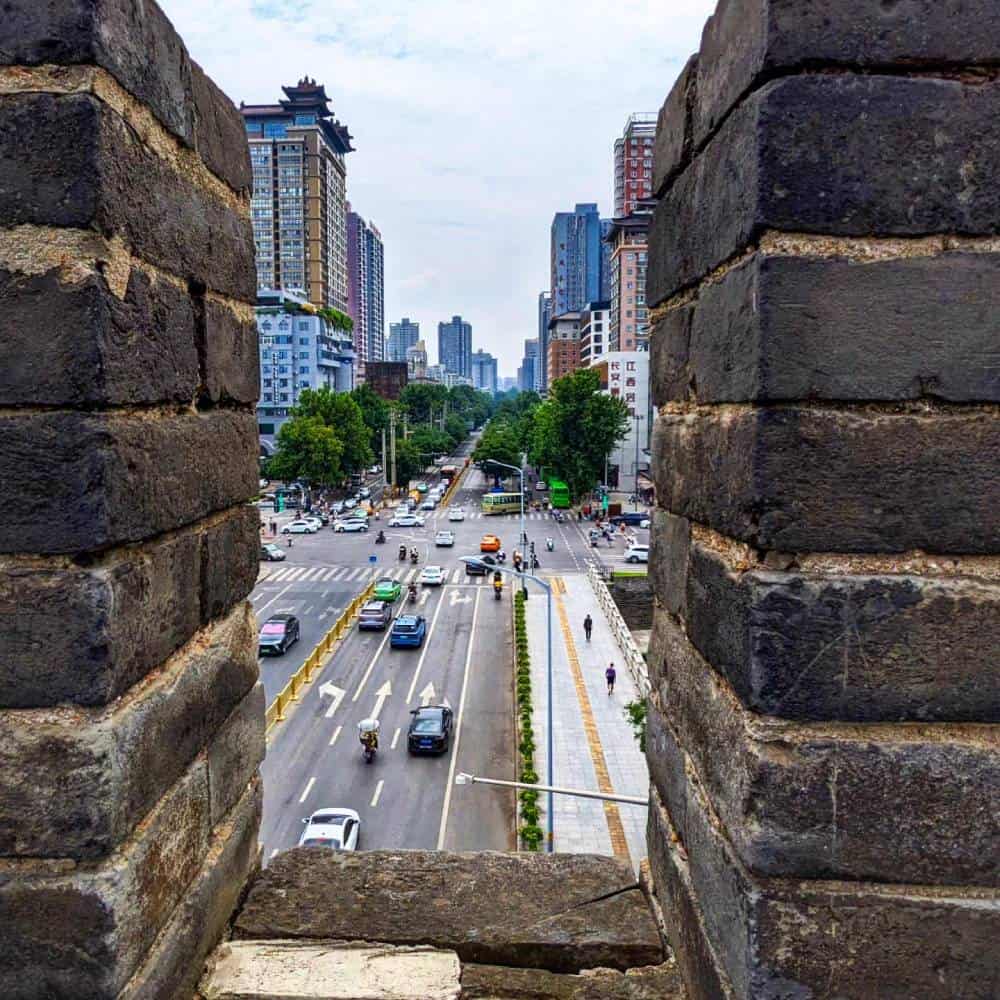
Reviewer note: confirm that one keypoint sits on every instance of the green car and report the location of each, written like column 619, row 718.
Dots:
column 387, row 589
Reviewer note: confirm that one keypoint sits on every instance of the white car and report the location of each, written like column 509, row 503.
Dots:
column 406, row 521
column 637, row 554
column 350, row 524
column 364, row 493
column 335, row 828
column 350, row 503
column 338, row 507
column 444, row 538
column 431, row 576
column 456, row 514
column 318, row 521
column 644, row 523
column 428, row 504
column 300, row 528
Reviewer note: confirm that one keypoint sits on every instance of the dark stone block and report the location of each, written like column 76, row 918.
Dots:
column 84, row 932
column 135, row 43
column 861, row 648
column 562, row 912
column 236, row 753
column 813, row 480
column 747, row 42
column 79, row 482
column 785, row 938
column 230, row 562
column 76, row 165
column 786, row 328
column 633, row 596
column 200, row 920
column 74, row 782
column 673, row 148
column 670, row 540
column 840, row 155
column 220, row 133
column 232, row 364
column 501, row 982
column 78, row 344
column 827, row 801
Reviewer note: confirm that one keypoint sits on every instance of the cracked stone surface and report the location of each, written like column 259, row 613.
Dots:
column 497, row 982
column 558, row 912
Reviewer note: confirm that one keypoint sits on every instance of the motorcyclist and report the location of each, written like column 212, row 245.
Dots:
column 402, row 552
column 369, row 739
column 414, row 555
column 497, row 583
column 549, row 544
column 411, row 591
column 380, row 537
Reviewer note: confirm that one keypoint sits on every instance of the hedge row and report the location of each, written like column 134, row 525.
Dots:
column 530, row 832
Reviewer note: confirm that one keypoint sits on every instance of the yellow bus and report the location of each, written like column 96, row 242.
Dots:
column 501, row 503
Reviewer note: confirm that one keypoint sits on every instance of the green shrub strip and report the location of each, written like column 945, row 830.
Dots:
column 530, row 832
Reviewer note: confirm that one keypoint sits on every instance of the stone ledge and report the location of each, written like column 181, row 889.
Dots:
column 500, row 982
column 557, row 912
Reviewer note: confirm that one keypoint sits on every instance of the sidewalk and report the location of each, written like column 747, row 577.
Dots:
column 593, row 745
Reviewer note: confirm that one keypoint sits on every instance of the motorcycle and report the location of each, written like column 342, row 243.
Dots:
column 549, row 544
column 369, row 751
column 402, row 552
column 414, row 557
column 380, row 538
column 501, row 556
column 498, row 590
column 411, row 594
column 368, row 734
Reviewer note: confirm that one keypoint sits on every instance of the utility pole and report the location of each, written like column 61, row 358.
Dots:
column 384, row 463
column 406, row 425
column 392, row 447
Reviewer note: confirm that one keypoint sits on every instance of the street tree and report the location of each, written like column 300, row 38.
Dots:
column 420, row 398
column 307, row 449
column 340, row 412
column 375, row 412
column 575, row 430
column 499, row 443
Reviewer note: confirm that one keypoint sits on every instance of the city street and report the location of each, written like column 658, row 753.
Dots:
column 314, row 758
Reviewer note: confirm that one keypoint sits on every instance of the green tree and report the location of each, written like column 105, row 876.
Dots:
column 339, row 411
column 375, row 412
column 307, row 449
column 576, row 428
column 409, row 463
column 419, row 398
column 498, row 442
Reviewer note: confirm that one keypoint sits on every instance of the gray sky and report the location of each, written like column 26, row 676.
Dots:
column 474, row 122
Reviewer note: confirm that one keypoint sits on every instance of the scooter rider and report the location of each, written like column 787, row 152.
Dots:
column 411, row 592
column 497, row 584
column 380, row 538
column 414, row 555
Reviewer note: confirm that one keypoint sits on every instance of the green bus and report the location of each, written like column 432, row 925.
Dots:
column 558, row 494
column 501, row 503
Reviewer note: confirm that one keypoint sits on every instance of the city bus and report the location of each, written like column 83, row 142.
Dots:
column 449, row 472
column 558, row 494
column 501, row 503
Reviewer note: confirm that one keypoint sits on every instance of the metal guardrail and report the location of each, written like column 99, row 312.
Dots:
column 290, row 692
column 634, row 660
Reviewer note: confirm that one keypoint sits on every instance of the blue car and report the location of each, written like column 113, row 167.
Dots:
column 408, row 630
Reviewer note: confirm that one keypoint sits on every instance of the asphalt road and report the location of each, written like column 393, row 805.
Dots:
column 314, row 757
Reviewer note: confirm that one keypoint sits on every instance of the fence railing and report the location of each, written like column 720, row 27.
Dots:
column 314, row 661
column 634, row 660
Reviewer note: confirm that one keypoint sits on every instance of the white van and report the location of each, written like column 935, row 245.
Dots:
column 637, row 554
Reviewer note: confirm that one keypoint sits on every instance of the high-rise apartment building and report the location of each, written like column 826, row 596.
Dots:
column 575, row 258
column 297, row 151
column 634, row 162
column 455, row 346
column 544, row 315
column 595, row 332
column 527, row 374
column 484, row 371
column 402, row 336
column 629, row 241
column 366, row 288
column 416, row 360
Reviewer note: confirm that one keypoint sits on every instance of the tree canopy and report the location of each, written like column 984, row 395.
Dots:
column 307, row 449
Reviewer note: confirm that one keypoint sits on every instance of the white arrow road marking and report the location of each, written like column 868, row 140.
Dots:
column 378, row 792
column 305, row 794
column 395, row 739
column 336, row 733
column 423, row 653
column 427, row 695
column 424, row 597
column 335, row 694
column 457, row 597
column 371, row 666
column 458, row 730
column 380, row 696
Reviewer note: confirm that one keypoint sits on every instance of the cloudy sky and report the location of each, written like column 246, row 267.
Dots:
column 474, row 121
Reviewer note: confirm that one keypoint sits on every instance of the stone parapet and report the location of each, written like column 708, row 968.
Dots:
column 823, row 737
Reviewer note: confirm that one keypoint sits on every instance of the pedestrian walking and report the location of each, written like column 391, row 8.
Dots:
column 274, row 527
column 609, row 676
column 588, row 626
column 289, row 541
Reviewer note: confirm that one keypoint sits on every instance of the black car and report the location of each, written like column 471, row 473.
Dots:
column 484, row 566
column 430, row 730
column 632, row 517
column 277, row 634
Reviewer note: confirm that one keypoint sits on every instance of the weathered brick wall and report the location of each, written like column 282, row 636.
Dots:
column 825, row 284
column 131, row 717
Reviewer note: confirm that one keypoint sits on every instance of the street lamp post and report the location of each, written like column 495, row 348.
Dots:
column 520, row 472
column 635, row 477
column 548, row 677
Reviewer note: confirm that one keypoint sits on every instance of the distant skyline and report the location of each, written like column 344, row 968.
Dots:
column 474, row 124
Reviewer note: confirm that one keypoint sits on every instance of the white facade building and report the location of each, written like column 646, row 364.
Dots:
column 625, row 375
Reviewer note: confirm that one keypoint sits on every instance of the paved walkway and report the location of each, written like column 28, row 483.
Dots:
column 593, row 744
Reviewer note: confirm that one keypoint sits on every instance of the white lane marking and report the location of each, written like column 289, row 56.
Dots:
column 425, row 597
column 378, row 792
column 423, row 653
column 458, row 729
column 427, row 695
column 305, row 794
column 384, row 692
column 308, row 574
column 395, row 738
column 335, row 694
column 270, row 602
column 371, row 666
column 411, row 575
column 278, row 575
column 336, row 733
column 328, row 574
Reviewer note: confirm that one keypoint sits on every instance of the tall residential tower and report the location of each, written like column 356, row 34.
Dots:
column 455, row 347
column 402, row 336
column 366, row 288
column 634, row 162
column 575, row 258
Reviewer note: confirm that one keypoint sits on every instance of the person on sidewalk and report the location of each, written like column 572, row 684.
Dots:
column 588, row 626
column 609, row 676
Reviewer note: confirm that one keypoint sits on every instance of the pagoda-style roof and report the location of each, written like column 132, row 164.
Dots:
column 306, row 97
